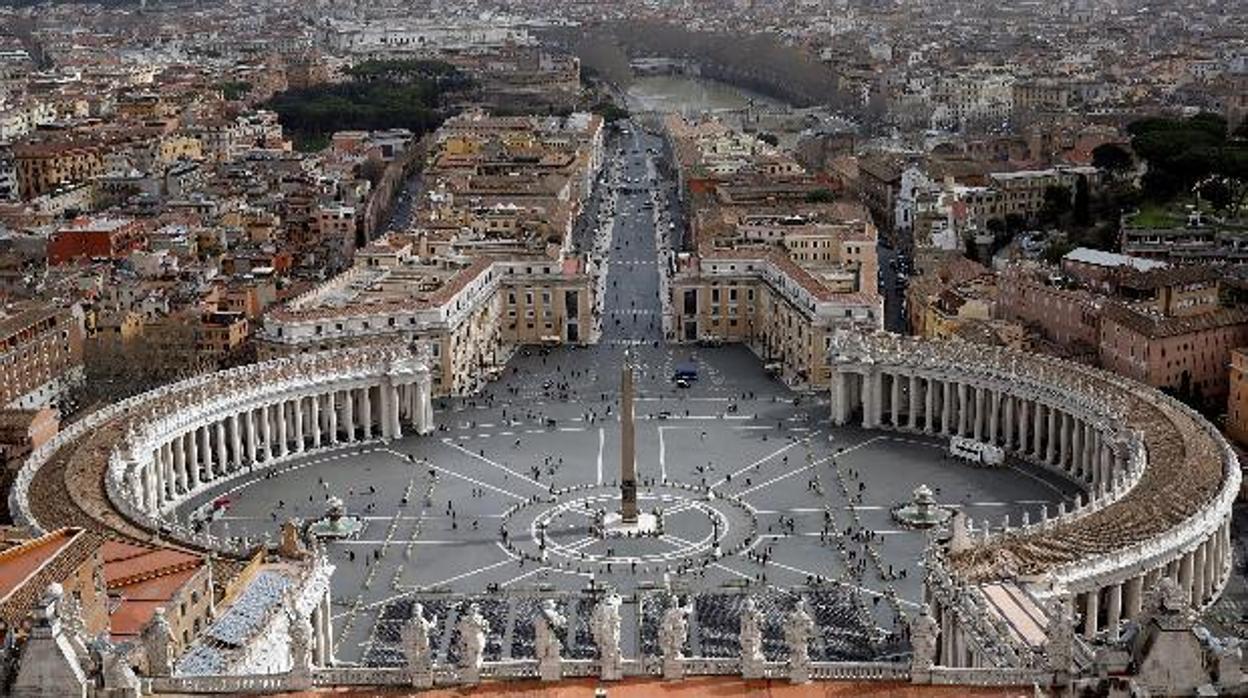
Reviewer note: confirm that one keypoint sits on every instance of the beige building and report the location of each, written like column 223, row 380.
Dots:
column 1178, row 353
column 40, row 353
column 1237, row 396
column 470, row 319
column 786, row 314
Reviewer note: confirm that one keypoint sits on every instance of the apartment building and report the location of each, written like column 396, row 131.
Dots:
column 40, row 353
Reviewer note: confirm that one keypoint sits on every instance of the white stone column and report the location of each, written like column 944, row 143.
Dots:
column 348, row 416
column 1063, row 441
column 1133, row 591
column 158, row 477
column 1092, row 601
column 314, row 419
column 178, row 446
column 150, row 497
column 895, row 399
column 915, row 387
column 1051, row 443
column 1024, row 420
column 994, row 416
column 929, row 406
column 396, row 426
column 283, row 429
column 1185, row 576
column 946, row 408
column 977, row 413
column 192, row 457
column 331, row 415
column 1198, row 576
column 266, row 433
column 1010, row 420
column 298, row 422
column 205, row 453
column 366, row 411
column 223, row 458
column 1076, row 449
column 424, row 402
column 236, row 443
column 963, row 425
column 249, row 435
column 1038, row 430
column 837, row 409
column 1114, row 610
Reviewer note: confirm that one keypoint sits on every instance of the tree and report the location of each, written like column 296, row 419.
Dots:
column 1113, row 158
column 1217, row 193
column 373, row 169
column 1082, row 207
column 1057, row 204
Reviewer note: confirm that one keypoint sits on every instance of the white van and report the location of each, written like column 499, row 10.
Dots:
column 976, row 452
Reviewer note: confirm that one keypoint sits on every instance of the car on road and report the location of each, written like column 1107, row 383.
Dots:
column 682, row 383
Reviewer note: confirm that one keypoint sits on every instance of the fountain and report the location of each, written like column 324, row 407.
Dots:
column 922, row 511
column 336, row 524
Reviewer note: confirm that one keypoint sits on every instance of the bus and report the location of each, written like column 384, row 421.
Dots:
column 686, row 370
column 976, row 452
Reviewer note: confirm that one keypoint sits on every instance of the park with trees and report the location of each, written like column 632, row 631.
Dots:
column 412, row 94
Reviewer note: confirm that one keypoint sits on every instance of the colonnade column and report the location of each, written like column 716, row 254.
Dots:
column 366, row 412
column 331, row 411
column 1134, row 597
column 249, row 435
column 929, row 405
column 1091, row 609
column 297, row 405
column 314, row 419
column 348, row 413
column 1113, row 614
column 946, row 408
column 913, row 420
column 266, row 433
column 424, row 402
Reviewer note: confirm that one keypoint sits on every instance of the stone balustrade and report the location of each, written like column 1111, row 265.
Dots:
column 1158, row 479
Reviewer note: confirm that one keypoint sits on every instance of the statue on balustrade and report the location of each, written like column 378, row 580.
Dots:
column 416, row 647
column 158, row 644
column 1060, row 630
column 673, row 633
column 300, row 632
column 799, row 627
column 473, row 628
column 605, row 625
column 923, row 635
column 752, row 659
column 546, row 626
column 112, row 664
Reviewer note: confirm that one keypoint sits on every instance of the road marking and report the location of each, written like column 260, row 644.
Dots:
column 765, row 458
column 500, row 466
column 602, row 439
column 795, row 471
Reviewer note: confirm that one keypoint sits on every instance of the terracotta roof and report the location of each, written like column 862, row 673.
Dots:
column 141, row 579
column 26, row 570
column 1160, row 326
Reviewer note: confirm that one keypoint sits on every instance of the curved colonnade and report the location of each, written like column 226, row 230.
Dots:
column 1159, row 480
column 156, row 451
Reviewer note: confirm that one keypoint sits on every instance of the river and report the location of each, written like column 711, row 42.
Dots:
column 682, row 93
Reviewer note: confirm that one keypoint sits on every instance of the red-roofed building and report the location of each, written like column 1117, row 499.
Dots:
column 95, row 238
column 142, row 579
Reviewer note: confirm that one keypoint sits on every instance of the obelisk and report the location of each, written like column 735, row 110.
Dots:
column 628, row 455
